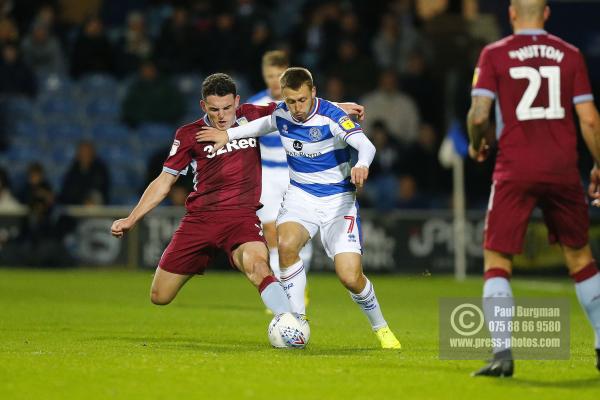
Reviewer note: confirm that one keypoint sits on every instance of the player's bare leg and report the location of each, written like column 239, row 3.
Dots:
column 498, row 270
column 348, row 267
column 270, row 232
column 584, row 271
column 166, row 285
column 251, row 258
column 291, row 237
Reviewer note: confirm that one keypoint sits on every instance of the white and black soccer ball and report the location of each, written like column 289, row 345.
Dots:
column 289, row 330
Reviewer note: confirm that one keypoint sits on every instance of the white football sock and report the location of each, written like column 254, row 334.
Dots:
column 293, row 279
column 367, row 301
column 274, row 262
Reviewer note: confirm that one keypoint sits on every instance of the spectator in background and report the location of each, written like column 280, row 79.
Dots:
column 383, row 171
column 155, row 166
column 8, row 31
column 92, row 51
column 36, row 187
column 178, row 194
column 482, row 27
column 41, row 50
column 75, row 13
column 309, row 40
column 223, row 44
column 396, row 39
column 335, row 90
column 87, row 180
column 135, row 46
column 39, row 243
column 419, row 84
column 8, row 203
column 16, row 78
column 354, row 68
column 176, row 48
column 420, row 160
column 397, row 110
column 408, row 196
column 151, row 98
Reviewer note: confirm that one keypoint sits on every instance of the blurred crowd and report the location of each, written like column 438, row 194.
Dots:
column 92, row 79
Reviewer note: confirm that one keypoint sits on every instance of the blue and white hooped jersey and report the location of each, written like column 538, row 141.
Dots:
column 317, row 152
column 271, row 149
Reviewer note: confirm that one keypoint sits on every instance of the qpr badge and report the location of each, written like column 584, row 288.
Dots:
column 297, row 145
column 315, row 134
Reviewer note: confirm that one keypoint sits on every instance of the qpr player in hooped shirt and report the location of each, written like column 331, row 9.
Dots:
column 316, row 135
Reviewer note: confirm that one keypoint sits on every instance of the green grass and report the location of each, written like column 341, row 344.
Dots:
column 94, row 335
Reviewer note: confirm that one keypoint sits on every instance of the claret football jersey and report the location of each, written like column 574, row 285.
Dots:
column 229, row 179
column 536, row 78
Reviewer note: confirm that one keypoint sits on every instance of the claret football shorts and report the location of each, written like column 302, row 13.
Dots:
column 199, row 236
column 564, row 208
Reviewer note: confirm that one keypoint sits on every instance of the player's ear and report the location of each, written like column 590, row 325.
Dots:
column 512, row 14
column 203, row 105
column 237, row 101
column 546, row 13
column 313, row 92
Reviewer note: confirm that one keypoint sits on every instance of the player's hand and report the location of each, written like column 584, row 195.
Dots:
column 353, row 109
column 482, row 154
column 120, row 226
column 359, row 175
column 209, row 134
column 594, row 188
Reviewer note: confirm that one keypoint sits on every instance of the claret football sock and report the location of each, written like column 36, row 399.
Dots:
column 293, row 279
column 273, row 296
column 497, row 292
column 587, row 287
column 367, row 301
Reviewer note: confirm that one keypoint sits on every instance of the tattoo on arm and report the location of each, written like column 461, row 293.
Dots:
column 478, row 119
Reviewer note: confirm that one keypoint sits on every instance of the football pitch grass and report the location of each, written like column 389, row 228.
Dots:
column 89, row 334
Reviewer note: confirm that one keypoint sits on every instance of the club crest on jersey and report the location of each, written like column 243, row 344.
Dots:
column 174, row 147
column 346, row 123
column 315, row 134
column 297, row 145
column 241, row 121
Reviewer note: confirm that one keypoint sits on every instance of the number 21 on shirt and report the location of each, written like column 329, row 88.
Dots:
column 524, row 110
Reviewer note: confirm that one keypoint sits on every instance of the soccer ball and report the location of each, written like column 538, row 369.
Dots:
column 289, row 330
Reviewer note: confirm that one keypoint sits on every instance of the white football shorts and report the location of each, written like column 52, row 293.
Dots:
column 336, row 216
column 275, row 182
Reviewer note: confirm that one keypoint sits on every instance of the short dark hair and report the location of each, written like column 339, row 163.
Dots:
column 218, row 85
column 276, row 58
column 295, row 77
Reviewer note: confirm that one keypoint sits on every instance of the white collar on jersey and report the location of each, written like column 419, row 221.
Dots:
column 531, row 32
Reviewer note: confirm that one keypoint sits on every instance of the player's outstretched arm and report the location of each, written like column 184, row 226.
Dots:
column 589, row 121
column 258, row 127
column 156, row 192
column 353, row 109
column 478, row 122
column 366, row 153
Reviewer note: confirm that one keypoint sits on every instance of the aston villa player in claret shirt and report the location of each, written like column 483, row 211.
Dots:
column 221, row 211
column 538, row 81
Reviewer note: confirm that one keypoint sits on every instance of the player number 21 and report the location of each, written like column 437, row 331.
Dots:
column 524, row 110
